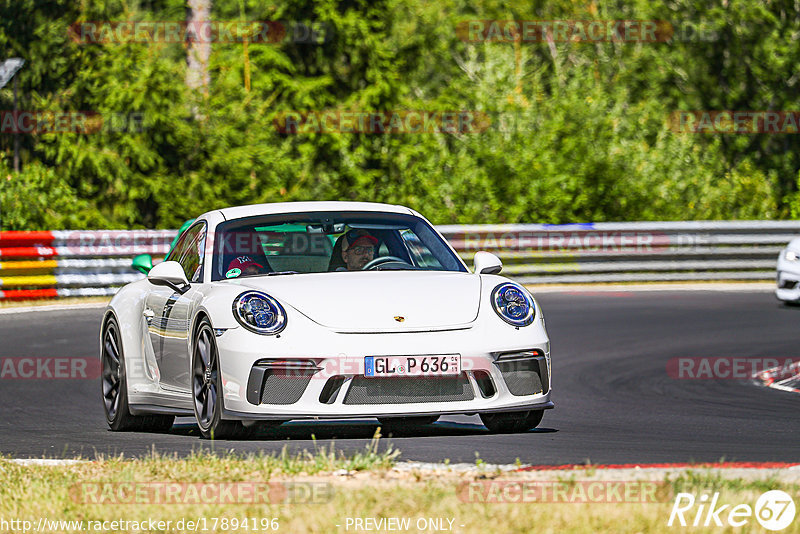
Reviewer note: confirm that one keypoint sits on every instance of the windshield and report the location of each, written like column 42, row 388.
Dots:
column 318, row 242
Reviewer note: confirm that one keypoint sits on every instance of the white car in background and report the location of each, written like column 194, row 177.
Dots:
column 788, row 277
column 321, row 310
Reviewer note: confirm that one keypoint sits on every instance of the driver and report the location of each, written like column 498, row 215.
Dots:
column 358, row 249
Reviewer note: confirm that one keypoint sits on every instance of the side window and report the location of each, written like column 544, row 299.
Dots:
column 189, row 252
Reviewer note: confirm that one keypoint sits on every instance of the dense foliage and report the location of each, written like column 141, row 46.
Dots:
column 579, row 131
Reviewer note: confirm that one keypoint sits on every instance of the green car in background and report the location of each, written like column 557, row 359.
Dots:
column 144, row 262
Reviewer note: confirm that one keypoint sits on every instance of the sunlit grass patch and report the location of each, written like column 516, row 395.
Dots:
column 325, row 490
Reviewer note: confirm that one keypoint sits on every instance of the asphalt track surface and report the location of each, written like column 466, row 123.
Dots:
column 615, row 401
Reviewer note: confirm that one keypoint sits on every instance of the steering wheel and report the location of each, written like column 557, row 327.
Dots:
column 381, row 260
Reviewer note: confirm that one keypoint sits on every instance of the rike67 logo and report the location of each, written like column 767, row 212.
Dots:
column 774, row 510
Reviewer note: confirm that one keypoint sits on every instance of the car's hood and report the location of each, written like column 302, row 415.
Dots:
column 378, row 301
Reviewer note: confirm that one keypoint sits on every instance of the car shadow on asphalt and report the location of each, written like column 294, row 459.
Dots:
column 310, row 430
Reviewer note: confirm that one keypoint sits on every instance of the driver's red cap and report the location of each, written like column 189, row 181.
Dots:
column 243, row 261
column 355, row 238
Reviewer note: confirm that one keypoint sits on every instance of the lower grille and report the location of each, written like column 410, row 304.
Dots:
column 409, row 390
column 522, row 377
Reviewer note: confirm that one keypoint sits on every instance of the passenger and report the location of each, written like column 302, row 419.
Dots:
column 243, row 266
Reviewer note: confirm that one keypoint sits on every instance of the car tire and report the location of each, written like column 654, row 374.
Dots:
column 407, row 422
column 511, row 422
column 115, row 388
column 207, row 386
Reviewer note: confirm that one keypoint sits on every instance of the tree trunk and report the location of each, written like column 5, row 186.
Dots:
column 199, row 44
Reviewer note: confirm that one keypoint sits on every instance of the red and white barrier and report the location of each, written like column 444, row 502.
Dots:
column 74, row 263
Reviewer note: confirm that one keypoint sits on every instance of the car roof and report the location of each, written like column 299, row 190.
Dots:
column 238, row 212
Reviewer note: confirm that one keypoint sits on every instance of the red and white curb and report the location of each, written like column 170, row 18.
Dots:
column 42, row 462
column 593, row 469
column 785, row 378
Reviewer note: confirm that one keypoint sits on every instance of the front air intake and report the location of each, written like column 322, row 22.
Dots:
column 331, row 389
column 525, row 373
column 485, row 384
column 279, row 381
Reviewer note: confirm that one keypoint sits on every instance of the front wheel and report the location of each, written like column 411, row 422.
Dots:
column 207, row 389
column 512, row 422
column 115, row 389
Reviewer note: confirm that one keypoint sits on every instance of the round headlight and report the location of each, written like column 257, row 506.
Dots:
column 513, row 304
column 791, row 255
column 259, row 313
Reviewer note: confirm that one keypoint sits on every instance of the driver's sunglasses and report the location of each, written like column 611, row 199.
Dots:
column 360, row 251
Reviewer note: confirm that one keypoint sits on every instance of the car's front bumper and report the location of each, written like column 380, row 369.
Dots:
column 486, row 384
column 788, row 279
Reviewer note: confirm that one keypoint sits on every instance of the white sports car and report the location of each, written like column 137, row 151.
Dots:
column 321, row 310
column 788, row 276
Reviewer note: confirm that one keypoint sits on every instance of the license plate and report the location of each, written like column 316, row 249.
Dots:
column 445, row 365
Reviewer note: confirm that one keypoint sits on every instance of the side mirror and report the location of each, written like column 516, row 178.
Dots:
column 143, row 263
column 170, row 274
column 487, row 263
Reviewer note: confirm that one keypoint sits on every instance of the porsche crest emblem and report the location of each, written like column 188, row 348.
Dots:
column 399, row 319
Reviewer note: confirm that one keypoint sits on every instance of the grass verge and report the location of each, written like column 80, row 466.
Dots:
column 328, row 491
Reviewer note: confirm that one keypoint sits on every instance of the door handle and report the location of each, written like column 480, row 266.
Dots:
column 148, row 316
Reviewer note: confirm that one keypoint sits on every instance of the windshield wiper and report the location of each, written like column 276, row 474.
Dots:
column 277, row 273
column 408, row 268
